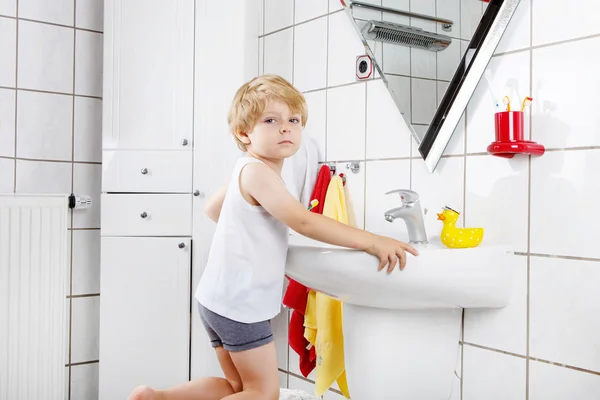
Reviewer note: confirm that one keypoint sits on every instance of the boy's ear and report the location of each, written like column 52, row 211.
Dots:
column 243, row 137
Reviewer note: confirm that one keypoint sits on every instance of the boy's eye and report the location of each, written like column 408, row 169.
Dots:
column 270, row 120
column 294, row 120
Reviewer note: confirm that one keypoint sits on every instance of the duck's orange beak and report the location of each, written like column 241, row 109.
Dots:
column 441, row 217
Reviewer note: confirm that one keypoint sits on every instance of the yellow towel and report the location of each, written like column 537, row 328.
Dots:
column 323, row 317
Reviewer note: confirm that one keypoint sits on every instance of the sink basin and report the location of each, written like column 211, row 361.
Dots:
column 402, row 331
column 438, row 278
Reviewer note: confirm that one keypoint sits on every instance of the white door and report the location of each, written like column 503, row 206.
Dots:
column 148, row 74
column 145, row 313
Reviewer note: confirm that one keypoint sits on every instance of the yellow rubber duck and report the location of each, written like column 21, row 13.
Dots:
column 458, row 238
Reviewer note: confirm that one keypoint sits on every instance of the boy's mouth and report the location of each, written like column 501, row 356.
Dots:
column 285, row 142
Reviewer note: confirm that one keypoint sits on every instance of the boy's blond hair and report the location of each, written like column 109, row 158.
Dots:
column 251, row 99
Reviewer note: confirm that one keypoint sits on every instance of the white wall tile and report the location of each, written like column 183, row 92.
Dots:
column 261, row 56
column 87, row 180
column 7, row 122
column 564, row 305
column 90, row 14
column 88, row 63
column 335, row 5
column 56, row 11
column 45, row 57
column 43, row 177
column 426, row 7
column 399, row 86
column 505, row 328
column 449, row 9
column 395, row 59
column 346, row 123
column 354, row 190
column 86, row 261
column 310, row 55
column 443, row 187
column 424, row 100
column 497, row 199
column 492, row 376
column 88, row 129
column 382, row 177
column 279, row 14
column 344, row 46
column 388, row 136
column 423, row 63
column 564, row 191
column 518, row 33
column 551, row 382
column 470, row 16
column 509, row 77
column 279, row 52
column 8, row 7
column 564, row 111
column 7, row 173
column 44, row 126
column 448, row 60
column 316, row 126
column 84, row 382
column 283, row 379
column 8, row 49
column 555, row 20
column 279, row 325
column 85, row 328
column 308, row 9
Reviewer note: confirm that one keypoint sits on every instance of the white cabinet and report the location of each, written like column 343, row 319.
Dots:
column 148, row 74
column 145, row 313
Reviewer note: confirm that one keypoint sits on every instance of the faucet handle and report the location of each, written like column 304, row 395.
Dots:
column 407, row 196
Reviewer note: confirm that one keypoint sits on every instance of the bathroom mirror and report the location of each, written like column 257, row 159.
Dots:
column 430, row 55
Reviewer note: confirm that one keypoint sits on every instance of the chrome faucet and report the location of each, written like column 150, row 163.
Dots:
column 411, row 213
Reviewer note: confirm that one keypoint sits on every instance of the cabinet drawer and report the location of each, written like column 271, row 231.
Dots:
column 147, row 171
column 146, row 214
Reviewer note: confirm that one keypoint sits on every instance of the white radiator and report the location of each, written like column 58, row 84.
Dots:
column 34, row 270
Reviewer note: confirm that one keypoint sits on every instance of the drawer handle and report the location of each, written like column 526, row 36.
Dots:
column 184, row 142
column 143, row 215
column 181, row 245
column 144, row 171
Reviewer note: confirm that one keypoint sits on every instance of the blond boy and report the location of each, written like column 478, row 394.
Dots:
column 240, row 290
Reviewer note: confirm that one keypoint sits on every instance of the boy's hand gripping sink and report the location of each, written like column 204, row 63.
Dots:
column 402, row 331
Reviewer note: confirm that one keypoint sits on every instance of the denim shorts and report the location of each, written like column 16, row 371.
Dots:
column 232, row 335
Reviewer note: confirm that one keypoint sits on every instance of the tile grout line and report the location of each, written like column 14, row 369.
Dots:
column 36, row 21
column 16, row 95
column 529, row 167
column 72, row 191
column 524, row 357
column 297, row 24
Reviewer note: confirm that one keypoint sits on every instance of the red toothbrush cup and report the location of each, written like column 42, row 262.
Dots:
column 509, row 126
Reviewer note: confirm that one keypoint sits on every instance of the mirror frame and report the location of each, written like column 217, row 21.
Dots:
column 486, row 38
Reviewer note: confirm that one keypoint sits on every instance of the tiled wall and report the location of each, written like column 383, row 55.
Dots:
column 50, row 142
column 545, row 345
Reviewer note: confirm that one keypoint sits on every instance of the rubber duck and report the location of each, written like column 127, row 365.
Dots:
column 458, row 238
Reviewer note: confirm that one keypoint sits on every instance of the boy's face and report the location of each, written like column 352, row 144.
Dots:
column 278, row 132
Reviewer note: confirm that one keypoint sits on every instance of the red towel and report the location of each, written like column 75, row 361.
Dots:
column 297, row 294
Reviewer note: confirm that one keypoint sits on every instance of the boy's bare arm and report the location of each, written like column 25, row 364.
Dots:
column 260, row 182
column 215, row 203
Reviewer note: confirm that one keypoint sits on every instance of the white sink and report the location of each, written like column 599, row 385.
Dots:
column 438, row 278
column 402, row 331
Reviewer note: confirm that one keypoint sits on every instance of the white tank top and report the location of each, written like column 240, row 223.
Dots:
column 243, row 278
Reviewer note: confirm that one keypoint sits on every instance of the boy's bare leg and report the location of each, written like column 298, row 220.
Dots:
column 200, row 389
column 259, row 373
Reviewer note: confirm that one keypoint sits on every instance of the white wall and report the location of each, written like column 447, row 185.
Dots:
column 545, row 345
column 50, row 142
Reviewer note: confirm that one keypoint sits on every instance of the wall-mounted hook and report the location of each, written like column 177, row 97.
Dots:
column 354, row 167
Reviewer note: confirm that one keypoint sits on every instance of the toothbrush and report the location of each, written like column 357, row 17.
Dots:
column 313, row 204
column 526, row 101
column 506, row 101
column 489, row 83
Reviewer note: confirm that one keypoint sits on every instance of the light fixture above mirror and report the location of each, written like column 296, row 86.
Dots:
column 430, row 55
